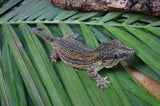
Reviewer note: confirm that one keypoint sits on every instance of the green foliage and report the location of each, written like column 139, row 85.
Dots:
column 27, row 76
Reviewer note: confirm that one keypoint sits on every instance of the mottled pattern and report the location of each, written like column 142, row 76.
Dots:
column 76, row 54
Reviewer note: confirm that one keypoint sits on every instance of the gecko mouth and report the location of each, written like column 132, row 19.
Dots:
column 132, row 51
column 128, row 54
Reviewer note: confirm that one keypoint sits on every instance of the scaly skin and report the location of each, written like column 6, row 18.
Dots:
column 76, row 54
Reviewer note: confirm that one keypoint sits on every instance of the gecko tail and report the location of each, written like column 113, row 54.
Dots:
column 42, row 35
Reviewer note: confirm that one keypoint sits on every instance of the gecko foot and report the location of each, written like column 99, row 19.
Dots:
column 53, row 60
column 102, row 83
column 72, row 35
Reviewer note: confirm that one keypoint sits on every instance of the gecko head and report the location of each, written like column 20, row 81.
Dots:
column 115, row 52
column 122, row 52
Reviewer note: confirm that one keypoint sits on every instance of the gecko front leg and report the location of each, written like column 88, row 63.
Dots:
column 54, row 55
column 101, row 82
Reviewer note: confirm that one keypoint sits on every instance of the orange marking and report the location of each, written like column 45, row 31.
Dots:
column 78, row 57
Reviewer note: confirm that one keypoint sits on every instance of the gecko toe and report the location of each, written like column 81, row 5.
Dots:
column 108, row 82
column 106, row 86
column 53, row 60
column 102, row 88
column 102, row 83
column 106, row 78
column 98, row 85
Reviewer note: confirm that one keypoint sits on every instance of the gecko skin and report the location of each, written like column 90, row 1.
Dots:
column 76, row 54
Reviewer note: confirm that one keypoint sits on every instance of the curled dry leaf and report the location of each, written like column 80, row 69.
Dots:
column 150, row 7
column 151, row 85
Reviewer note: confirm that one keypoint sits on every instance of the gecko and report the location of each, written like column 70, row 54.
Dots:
column 76, row 54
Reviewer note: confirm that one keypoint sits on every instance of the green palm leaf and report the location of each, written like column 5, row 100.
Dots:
column 27, row 76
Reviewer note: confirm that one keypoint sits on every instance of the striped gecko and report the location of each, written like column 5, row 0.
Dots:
column 76, row 54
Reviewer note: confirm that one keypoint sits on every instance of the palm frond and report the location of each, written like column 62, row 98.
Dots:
column 28, row 77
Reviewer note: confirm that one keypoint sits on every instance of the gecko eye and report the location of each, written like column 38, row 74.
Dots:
column 117, row 56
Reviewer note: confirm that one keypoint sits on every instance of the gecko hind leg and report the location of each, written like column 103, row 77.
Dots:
column 54, row 55
column 72, row 35
column 101, row 82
